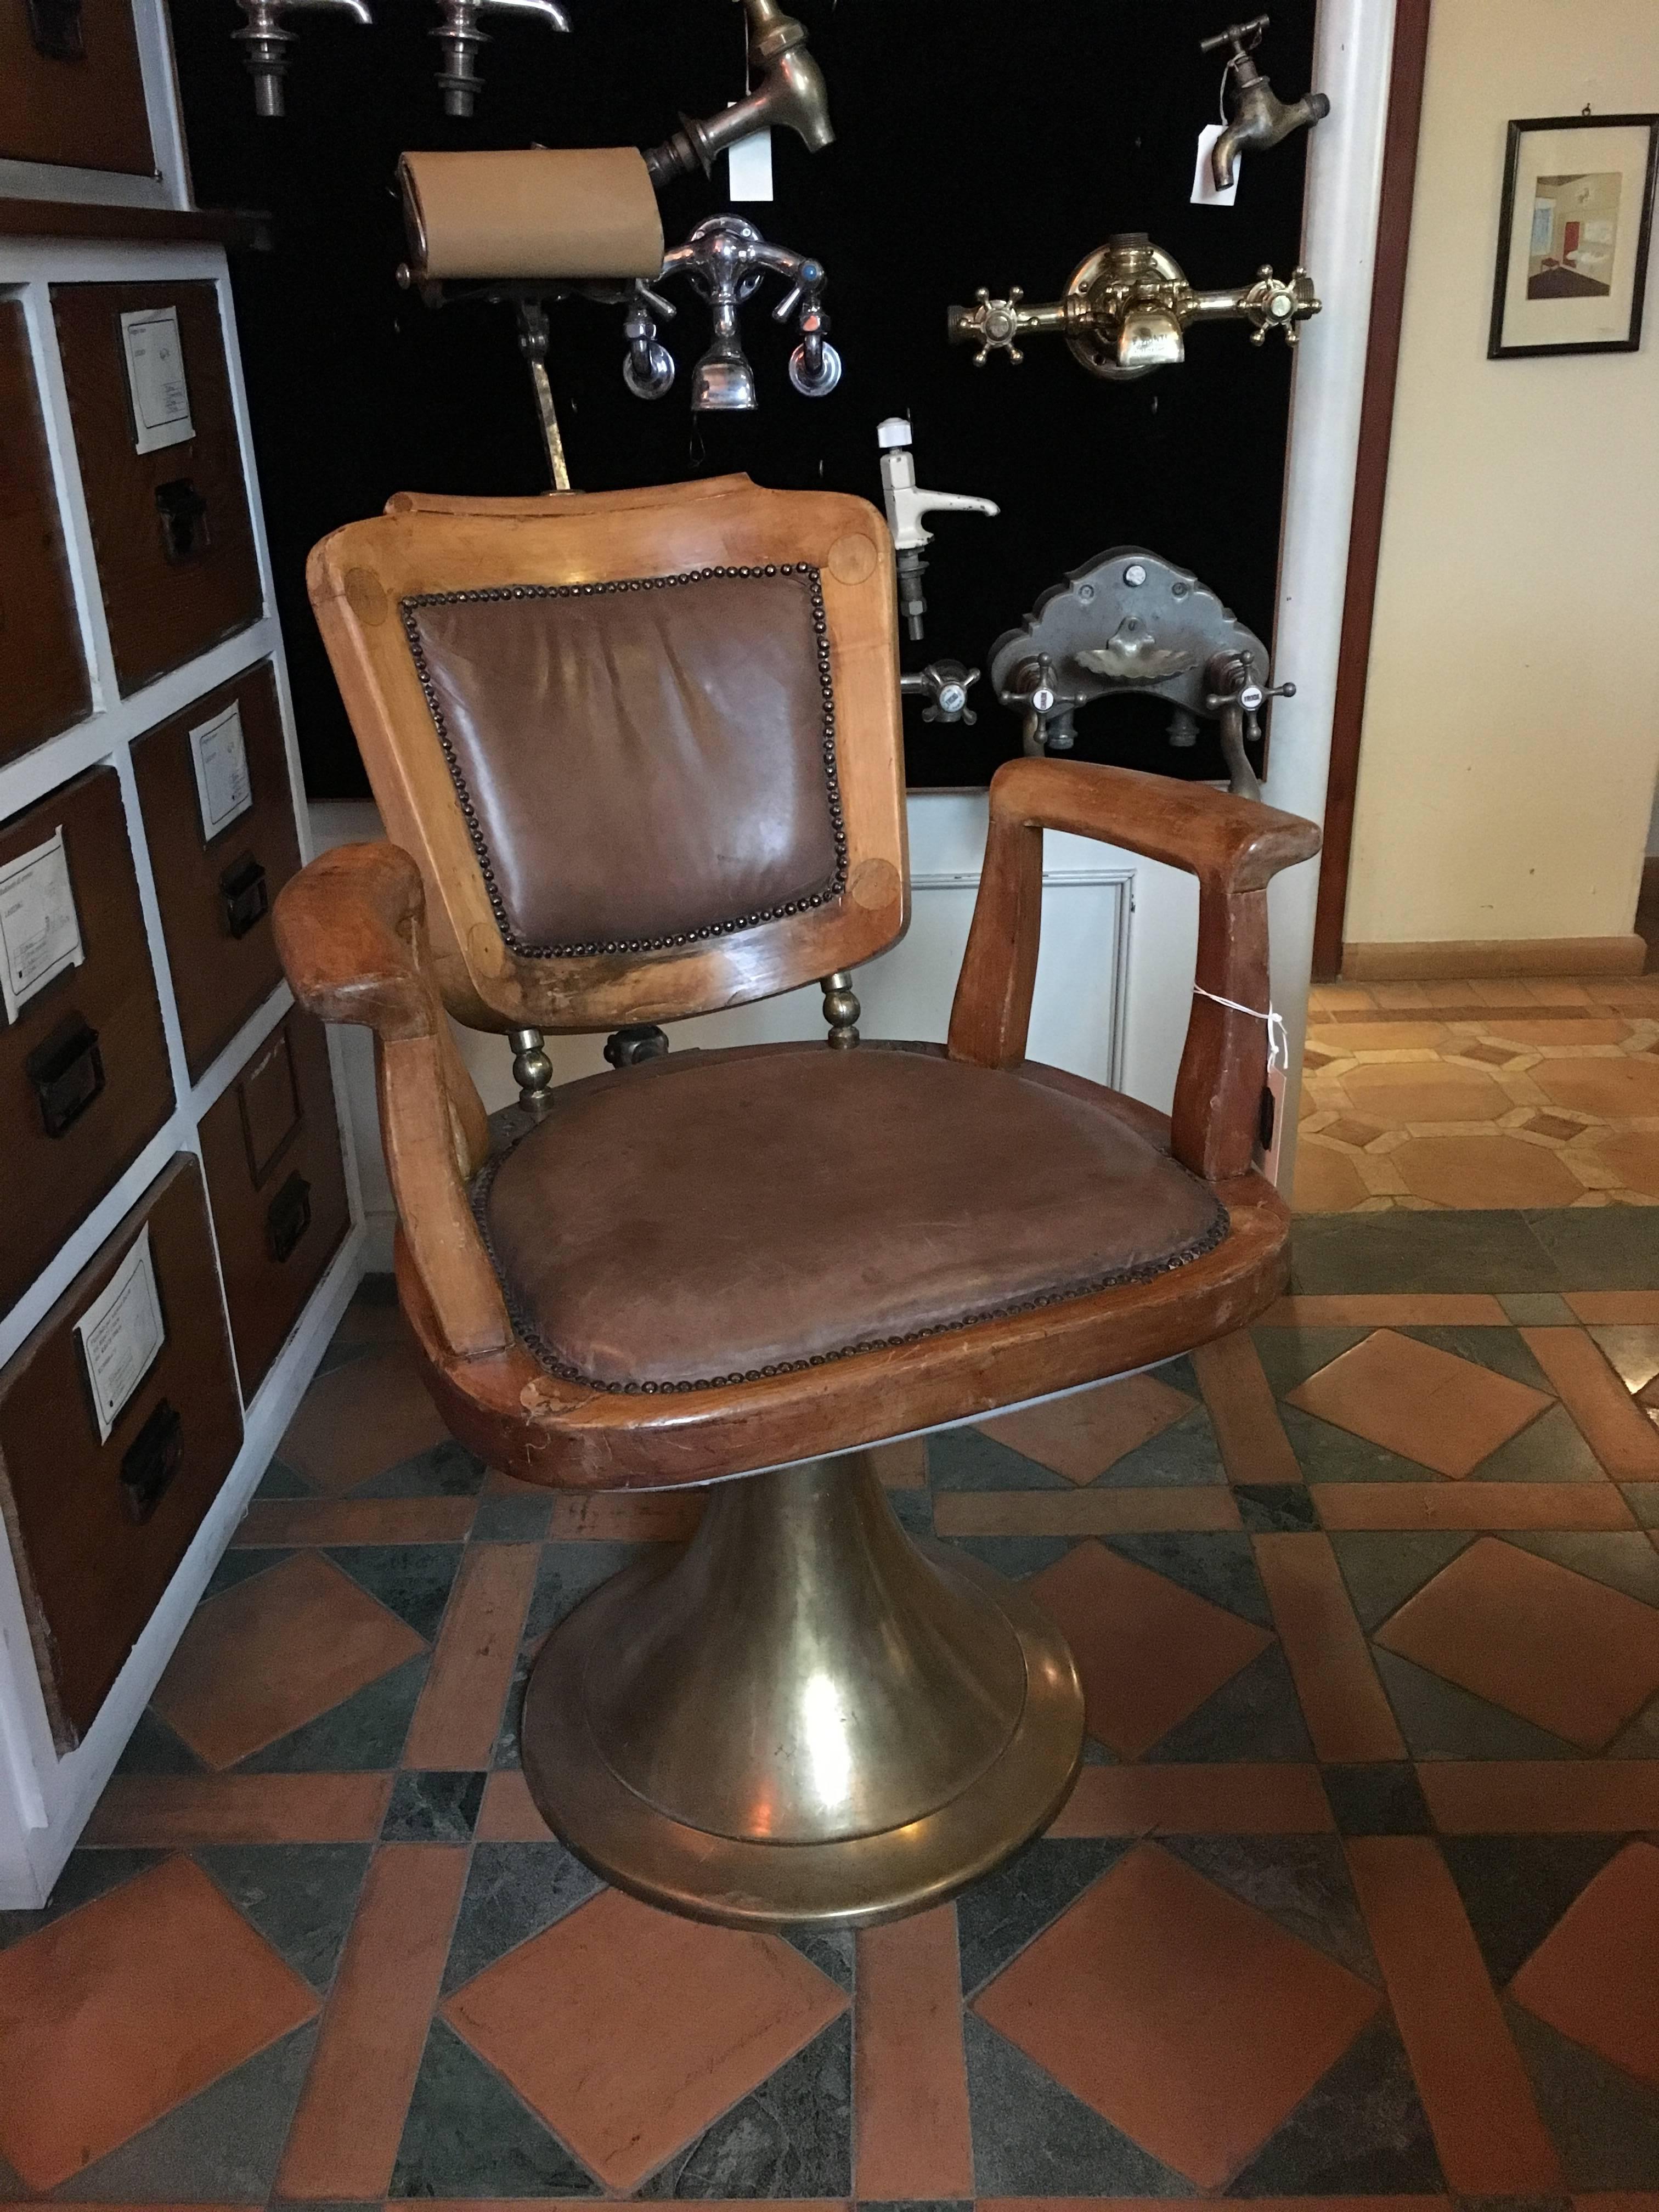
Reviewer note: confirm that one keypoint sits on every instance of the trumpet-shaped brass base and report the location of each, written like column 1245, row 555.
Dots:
column 801, row 1716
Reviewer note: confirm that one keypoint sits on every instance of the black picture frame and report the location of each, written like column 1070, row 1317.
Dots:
column 1518, row 130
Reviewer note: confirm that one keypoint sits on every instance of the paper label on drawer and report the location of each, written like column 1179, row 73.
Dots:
column 224, row 786
column 120, row 1333
column 40, row 929
column 155, row 378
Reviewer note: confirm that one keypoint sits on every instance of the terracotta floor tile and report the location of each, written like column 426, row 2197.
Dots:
column 1616, row 1308
column 1624, row 1086
column 1633, row 1155
column 1275, row 1798
column 629, row 2030
column 344, row 2140
column 1473, row 2087
column 1189, row 2018
column 1149, row 1652
column 1415, row 1400
column 1253, row 1445
column 1547, row 1796
column 1484, row 1171
column 1393, row 1093
column 903, row 1466
column 289, row 1520
column 1391, row 1310
column 118, row 2012
column 459, row 1713
column 1081, row 1435
column 1609, row 1419
column 1553, row 1125
column 1561, row 1505
column 1082, row 1512
column 1347, row 1714
column 1596, row 1975
column 1349, row 1129
column 361, row 1420
column 1359, row 1035
column 1631, row 1352
column 1568, row 1654
column 912, row 2137
column 508, row 1814
column 1560, row 1028
column 1327, row 1181
column 187, row 1811
column 272, row 1653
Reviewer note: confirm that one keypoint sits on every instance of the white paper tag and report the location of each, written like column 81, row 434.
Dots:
column 120, row 1335
column 749, row 167
column 1273, row 1099
column 223, row 788
column 40, row 929
column 155, row 378
column 1204, row 191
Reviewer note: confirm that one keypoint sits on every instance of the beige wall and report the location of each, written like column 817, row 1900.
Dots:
column 1512, row 717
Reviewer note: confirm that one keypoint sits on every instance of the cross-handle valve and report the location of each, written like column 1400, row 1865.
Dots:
column 1234, row 696
column 460, row 38
column 789, row 96
column 725, row 260
column 1126, row 309
column 264, row 43
column 1260, row 119
column 906, row 504
column 945, row 684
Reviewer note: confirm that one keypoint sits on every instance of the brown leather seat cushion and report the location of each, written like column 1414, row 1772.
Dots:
column 719, row 1215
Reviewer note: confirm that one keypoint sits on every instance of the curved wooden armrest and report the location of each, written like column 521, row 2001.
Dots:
column 351, row 931
column 1233, row 846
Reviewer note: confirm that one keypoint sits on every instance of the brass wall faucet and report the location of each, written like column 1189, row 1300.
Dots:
column 1260, row 119
column 1126, row 309
column 790, row 96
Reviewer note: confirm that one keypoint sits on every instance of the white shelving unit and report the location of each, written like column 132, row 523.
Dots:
column 44, row 1799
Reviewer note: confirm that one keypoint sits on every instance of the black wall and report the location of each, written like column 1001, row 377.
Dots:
column 978, row 143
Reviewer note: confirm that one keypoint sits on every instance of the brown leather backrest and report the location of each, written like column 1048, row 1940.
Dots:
column 644, row 746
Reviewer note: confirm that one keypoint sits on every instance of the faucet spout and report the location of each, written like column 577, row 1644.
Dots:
column 790, row 96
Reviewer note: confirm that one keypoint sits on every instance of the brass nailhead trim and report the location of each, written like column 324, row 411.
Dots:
column 515, row 942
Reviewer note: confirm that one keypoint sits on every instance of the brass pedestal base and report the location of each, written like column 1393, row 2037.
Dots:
column 801, row 1716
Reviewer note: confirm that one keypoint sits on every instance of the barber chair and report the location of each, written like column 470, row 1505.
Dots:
column 639, row 756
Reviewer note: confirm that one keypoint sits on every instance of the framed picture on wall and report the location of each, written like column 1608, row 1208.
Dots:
column 1573, row 235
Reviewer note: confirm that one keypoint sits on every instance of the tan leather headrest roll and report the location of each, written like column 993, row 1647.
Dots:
column 546, row 211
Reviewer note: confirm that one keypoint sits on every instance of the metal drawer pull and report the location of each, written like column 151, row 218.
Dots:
column 151, row 1461
column 67, row 1072
column 287, row 1217
column 184, row 533
column 244, row 895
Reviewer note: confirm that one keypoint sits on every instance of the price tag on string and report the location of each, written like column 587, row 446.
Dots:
column 1270, row 1122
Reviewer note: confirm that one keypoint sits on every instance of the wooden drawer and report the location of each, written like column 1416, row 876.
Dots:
column 276, row 1180
column 86, row 109
column 99, row 1524
column 217, row 873
column 75, row 1113
column 43, row 671
column 175, row 544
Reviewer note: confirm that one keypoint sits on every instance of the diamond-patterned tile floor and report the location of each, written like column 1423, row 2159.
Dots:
column 1356, row 1901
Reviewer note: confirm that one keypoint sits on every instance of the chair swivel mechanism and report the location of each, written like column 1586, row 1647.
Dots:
column 639, row 756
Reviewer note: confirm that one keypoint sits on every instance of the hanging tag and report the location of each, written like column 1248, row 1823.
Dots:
column 1204, row 191
column 1270, row 1133
column 749, row 167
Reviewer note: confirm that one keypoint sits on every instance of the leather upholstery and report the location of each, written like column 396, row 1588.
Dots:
column 715, row 1215
column 643, row 762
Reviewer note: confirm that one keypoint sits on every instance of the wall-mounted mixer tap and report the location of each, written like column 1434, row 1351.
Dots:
column 1131, row 622
column 790, row 96
column 725, row 260
column 460, row 38
column 906, row 506
column 264, row 43
column 1259, row 119
column 1126, row 309
column 946, row 685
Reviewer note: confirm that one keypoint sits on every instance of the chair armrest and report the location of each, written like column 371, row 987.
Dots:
column 1233, row 846
column 351, row 931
